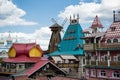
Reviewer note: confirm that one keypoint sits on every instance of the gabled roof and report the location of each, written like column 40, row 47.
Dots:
column 71, row 43
column 113, row 31
column 38, row 66
column 96, row 23
column 23, row 49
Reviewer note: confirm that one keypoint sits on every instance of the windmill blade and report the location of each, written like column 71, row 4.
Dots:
column 65, row 20
column 62, row 30
column 53, row 20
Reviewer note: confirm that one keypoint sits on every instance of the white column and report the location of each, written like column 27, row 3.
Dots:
column 96, row 58
column 108, row 58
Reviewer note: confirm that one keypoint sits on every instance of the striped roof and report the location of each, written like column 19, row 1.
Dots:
column 113, row 31
column 96, row 23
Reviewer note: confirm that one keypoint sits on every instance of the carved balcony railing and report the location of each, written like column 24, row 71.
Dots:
column 115, row 63
column 90, row 46
column 105, row 63
column 109, row 45
column 67, row 65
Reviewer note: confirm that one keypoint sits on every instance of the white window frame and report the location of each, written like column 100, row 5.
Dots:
column 116, row 74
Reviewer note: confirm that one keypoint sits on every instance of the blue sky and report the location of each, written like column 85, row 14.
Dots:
column 31, row 19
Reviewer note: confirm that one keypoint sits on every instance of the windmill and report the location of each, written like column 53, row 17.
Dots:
column 55, row 37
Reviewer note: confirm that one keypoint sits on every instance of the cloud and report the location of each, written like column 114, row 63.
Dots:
column 10, row 14
column 41, row 36
column 87, row 11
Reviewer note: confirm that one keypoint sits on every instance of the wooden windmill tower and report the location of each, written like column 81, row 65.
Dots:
column 55, row 37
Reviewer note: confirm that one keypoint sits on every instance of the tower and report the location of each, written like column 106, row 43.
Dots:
column 9, row 40
column 1, row 41
column 55, row 37
column 96, row 25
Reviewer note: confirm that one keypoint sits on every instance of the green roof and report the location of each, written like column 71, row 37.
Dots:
column 71, row 44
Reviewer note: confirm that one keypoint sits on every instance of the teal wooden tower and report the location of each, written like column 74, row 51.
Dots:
column 71, row 44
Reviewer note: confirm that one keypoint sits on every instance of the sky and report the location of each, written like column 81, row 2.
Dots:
column 29, row 20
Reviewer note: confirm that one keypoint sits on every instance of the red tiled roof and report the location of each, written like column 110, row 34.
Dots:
column 96, row 23
column 23, row 49
column 37, row 66
column 115, row 33
column 21, row 59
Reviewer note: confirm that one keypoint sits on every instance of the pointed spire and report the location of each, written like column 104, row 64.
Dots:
column 113, row 16
column 9, row 37
column 16, row 39
column 1, row 39
column 96, row 23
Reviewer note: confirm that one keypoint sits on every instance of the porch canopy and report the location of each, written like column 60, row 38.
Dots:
column 57, row 58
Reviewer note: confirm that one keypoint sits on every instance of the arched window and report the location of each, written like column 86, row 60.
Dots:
column 115, row 40
column 103, row 73
column 108, row 41
column 116, row 74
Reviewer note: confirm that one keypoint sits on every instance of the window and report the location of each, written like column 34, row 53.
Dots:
column 115, row 40
column 93, row 73
column 117, row 58
column 112, row 28
column 104, row 58
column 108, row 41
column 103, row 73
column 21, row 66
column 87, row 71
column 116, row 74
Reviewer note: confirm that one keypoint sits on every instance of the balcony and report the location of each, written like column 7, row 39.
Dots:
column 90, row 46
column 67, row 65
column 105, row 63
column 110, row 45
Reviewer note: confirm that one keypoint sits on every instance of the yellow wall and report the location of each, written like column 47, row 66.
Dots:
column 12, row 52
column 35, row 52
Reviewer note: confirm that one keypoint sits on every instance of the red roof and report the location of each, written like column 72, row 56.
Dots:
column 113, row 31
column 23, row 49
column 96, row 23
column 22, row 59
column 37, row 66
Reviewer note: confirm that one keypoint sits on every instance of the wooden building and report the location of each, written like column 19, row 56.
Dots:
column 27, row 60
column 69, row 55
column 102, row 50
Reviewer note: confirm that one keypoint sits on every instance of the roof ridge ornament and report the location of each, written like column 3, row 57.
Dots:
column 74, row 20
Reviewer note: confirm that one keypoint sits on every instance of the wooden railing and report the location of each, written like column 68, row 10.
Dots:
column 116, row 63
column 67, row 65
column 89, row 47
column 109, row 45
column 92, row 46
column 105, row 63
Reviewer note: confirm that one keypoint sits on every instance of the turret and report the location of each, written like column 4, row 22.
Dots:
column 9, row 40
column 96, row 25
